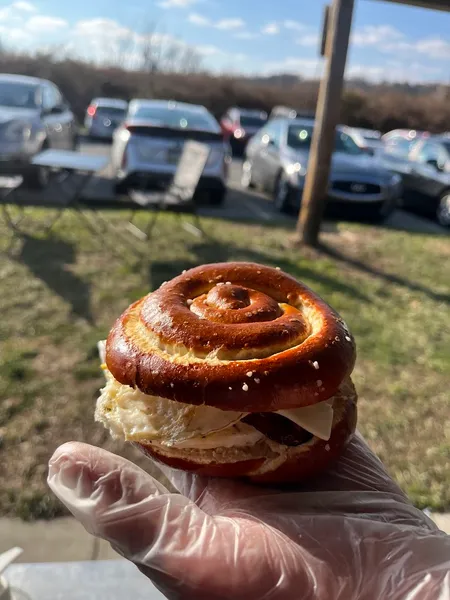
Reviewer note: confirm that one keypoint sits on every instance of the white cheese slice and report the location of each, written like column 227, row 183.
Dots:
column 317, row 419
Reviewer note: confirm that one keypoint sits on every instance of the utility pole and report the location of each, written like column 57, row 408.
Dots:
column 327, row 117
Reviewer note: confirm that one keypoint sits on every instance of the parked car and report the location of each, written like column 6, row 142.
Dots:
column 368, row 140
column 426, row 177
column 147, row 146
column 34, row 116
column 103, row 116
column 239, row 125
column 288, row 112
column 276, row 160
column 400, row 141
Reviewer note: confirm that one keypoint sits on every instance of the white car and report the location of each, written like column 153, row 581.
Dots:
column 103, row 116
column 147, row 147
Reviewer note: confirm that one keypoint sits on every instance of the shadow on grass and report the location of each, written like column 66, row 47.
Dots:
column 48, row 259
column 339, row 256
column 214, row 251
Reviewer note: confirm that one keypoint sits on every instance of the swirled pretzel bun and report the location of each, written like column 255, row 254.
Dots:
column 234, row 370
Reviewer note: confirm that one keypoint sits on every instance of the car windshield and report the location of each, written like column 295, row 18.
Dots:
column 175, row 117
column 18, row 95
column 110, row 111
column 299, row 138
column 252, row 121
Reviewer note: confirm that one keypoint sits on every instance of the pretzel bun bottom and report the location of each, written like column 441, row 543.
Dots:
column 270, row 463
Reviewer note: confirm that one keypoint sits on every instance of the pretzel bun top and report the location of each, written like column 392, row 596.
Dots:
column 237, row 336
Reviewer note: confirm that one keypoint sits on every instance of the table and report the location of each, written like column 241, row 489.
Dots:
column 70, row 160
column 76, row 171
column 94, row 580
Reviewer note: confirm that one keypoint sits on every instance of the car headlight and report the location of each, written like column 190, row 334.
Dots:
column 395, row 180
column 17, row 131
column 296, row 172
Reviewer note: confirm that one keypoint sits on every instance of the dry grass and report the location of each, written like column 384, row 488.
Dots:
column 60, row 295
column 380, row 106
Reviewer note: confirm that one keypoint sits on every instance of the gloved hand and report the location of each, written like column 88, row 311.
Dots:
column 351, row 534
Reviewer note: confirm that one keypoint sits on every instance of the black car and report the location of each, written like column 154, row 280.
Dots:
column 239, row 125
column 425, row 171
column 34, row 116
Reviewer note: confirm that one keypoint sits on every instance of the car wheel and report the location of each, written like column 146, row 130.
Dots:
column 75, row 142
column 37, row 178
column 216, row 197
column 122, row 187
column 443, row 210
column 282, row 194
column 246, row 175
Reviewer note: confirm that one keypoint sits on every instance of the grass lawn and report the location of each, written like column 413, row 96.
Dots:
column 58, row 296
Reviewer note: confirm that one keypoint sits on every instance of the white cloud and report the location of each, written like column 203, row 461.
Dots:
column 24, row 6
column 310, row 39
column 199, row 20
column 15, row 35
column 208, row 50
column 177, row 3
column 376, row 35
column 44, row 24
column 389, row 71
column 101, row 27
column 389, row 40
column 224, row 24
column 271, row 29
column 246, row 35
column 307, row 67
column 294, row 25
column 434, row 48
column 227, row 24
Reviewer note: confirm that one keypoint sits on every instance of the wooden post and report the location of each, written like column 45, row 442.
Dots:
column 327, row 117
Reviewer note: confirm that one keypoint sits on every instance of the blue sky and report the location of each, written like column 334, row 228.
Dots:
column 389, row 41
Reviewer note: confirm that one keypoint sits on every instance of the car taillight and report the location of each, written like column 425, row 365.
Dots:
column 91, row 110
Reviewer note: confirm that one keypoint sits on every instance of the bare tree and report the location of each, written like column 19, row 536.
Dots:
column 152, row 50
column 190, row 61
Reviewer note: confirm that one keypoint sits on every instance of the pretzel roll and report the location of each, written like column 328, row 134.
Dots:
column 232, row 370
column 236, row 336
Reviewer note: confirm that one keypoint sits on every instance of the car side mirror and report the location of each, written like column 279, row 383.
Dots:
column 433, row 162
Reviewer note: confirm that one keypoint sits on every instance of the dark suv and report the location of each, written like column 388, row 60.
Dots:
column 239, row 125
column 426, row 177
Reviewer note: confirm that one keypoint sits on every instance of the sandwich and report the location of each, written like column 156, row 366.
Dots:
column 232, row 370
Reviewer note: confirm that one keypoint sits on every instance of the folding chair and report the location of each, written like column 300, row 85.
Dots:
column 8, row 185
column 179, row 197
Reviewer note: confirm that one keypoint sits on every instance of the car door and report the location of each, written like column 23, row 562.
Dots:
column 427, row 179
column 269, row 162
column 57, row 118
column 66, row 120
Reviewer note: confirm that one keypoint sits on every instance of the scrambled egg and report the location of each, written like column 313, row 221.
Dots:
column 129, row 413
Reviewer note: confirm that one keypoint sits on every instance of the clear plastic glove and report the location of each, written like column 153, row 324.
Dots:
column 351, row 534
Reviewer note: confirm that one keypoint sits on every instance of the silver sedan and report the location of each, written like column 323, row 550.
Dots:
column 147, row 147
column 277, row 157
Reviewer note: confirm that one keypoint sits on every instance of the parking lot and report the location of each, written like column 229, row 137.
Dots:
column 244, row 204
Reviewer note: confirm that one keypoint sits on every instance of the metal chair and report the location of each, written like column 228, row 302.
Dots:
column 179, row 196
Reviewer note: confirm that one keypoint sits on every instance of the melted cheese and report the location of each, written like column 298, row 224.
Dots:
column 129, row 413
column 317, row 419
